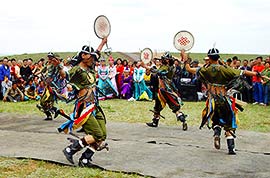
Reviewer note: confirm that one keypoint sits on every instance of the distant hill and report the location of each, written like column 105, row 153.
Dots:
column 130, row 56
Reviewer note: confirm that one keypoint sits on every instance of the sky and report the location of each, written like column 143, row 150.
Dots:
column 235, row 26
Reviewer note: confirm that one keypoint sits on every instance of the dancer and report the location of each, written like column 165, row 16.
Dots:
column 167, row 93
column 87, row 112
column 55, row 80
column 220, row 108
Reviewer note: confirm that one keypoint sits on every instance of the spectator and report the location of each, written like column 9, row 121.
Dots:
column 126, row 86
column 39, row 68
column 25, row 70
column 234, row 61
column 13, row 94
column 238, row 64
column 257, row 82
column 112, row 72
column 206, row 61
column 147, row 78
column 31, row 94
column 140, row 88
column 14, row 70
column 104, row 82
column 131, row 68
column 20, row 85
column 125, row 63
column 4, row 72
column 20, row 64
column 247, row 93
column 31, row 65
column 119, row 71
column 229, row 62
column 5, row 85
column 40, row 88
column 266, row 83
column 157, row 63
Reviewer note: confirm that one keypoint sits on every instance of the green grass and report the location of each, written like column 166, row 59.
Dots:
column 22, row 168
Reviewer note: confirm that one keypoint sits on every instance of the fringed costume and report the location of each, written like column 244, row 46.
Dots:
column 167, row 93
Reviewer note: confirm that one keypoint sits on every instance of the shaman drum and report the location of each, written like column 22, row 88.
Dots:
column 183, row 40
column 146, row 55
column 102, row 28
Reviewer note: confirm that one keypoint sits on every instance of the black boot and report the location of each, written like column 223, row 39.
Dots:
column 86, row 158
column 70, row 150
column 182, row 117
column 217, row 133
column 154, row 123
column 230, row 143
column 56, row 111
column 38, row 106
column 49, row 116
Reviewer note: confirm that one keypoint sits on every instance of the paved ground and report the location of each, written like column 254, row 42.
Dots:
column 159, row 152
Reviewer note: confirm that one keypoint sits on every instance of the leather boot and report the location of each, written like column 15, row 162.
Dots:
column 182, row 118
column 49, row 116
column 70, row 150
column 230, row 143
column 217, row 133
column 86, row 158
column 154, row 123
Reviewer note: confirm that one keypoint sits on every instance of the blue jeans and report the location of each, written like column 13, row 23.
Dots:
column 266, row 89
column 258, row 92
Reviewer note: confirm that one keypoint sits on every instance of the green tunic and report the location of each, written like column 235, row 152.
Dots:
column 218, row 74
column 219, row 107
column 96, row 123
column 81, row 78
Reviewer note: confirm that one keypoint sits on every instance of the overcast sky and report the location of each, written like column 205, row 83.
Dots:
column 236, row 26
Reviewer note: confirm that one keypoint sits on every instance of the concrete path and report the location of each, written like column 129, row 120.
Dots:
column 166, row 151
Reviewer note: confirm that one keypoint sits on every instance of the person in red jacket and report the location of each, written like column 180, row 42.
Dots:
column 257, row 82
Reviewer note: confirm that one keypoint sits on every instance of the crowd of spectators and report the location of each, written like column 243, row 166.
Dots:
column 21, row 79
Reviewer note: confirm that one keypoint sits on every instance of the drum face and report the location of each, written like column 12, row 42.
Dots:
column 102, row 26
column 183, row 40
column 146, row 55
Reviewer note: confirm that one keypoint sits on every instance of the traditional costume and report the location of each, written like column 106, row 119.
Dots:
column 140, row 87
column 167, row 92
column 112, row 72
column 54, row 86
column 221, row 108
column 87, row 113
column 126, row 87
column 104, row 83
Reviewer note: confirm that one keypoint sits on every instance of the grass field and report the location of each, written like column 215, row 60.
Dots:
column 254, row 118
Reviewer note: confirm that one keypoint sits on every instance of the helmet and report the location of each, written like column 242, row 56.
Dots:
column 95, row 54
column 213, row 54
column 166, row 55
column 50, row 55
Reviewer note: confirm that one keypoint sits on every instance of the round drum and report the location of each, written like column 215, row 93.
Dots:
column 183, row 40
